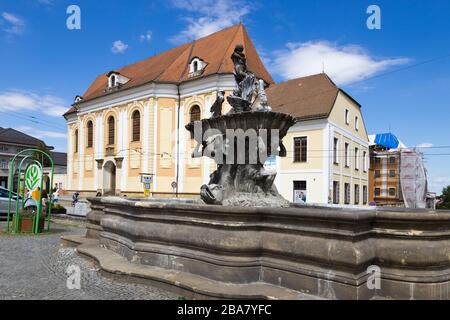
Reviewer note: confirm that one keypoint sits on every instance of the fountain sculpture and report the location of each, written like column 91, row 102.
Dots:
column 241, row 141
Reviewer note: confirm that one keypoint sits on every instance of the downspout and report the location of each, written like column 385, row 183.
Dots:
column 177, row 179
column 178, row 140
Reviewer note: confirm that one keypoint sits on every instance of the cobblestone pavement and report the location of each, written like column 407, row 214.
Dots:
column 34, row 267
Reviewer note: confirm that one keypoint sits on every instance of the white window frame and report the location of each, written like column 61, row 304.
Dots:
column 356, row 123
column 357, row 195
column 365, row 161
column 200, row 66
column 347, row 193
column 336, row 150
column 347, row 116
column 347, row 154
column 356, row 158
column 293, row 148
column 336, row 192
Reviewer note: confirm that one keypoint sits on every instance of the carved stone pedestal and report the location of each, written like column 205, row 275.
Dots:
column 244, row 186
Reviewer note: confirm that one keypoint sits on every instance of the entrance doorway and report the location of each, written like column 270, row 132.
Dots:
column 109, row 179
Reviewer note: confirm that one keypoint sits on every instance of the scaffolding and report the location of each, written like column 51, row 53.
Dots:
column 413, row 179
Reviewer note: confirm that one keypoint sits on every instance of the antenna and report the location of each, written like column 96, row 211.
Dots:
column 323, row 67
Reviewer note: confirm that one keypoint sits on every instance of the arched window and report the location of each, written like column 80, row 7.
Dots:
column 195, row 113
column 111, row 132
column 112, row 80
column 90, row 134
column 136, row 118
column 76, row 140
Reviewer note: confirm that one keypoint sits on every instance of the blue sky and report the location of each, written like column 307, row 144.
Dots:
column 44, row 65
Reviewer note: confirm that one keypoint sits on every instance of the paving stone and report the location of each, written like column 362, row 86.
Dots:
column 35, row 267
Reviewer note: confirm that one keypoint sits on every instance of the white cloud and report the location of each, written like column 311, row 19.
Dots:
column 22, row 101
column 208, row 16
column 119, row 47
column 425, row 145
column 13, row 24
column 46, row 2
column 438, row 183
column 146, row 36
column 344, row 64
column 41, row 134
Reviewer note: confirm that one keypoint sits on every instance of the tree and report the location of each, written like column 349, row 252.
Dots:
column 40, row 157
column 445, row 199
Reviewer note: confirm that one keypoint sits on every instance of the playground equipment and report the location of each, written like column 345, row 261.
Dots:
column 33, row 180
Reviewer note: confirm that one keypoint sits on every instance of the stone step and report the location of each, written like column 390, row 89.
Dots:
column 190, row 285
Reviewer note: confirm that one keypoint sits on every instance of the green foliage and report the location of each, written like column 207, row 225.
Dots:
column 57, row 206
column 27, row 213
column 446, row 199
column 40, row 157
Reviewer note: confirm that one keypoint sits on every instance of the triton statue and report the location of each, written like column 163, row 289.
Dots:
column 241, row 142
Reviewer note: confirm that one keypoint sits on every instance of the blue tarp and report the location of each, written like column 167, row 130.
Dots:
column 387, row 140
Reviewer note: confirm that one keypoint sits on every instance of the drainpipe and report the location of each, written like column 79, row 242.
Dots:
column 178, row 118
column 178, row 140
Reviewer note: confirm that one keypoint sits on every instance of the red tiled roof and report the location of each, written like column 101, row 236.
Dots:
column 172, row 66
column 305, row 98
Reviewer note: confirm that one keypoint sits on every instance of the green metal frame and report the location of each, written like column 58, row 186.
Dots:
column 28, row 153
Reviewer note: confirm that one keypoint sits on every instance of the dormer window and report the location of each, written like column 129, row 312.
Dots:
column 116, row 80
column 196, row 67
column 78, row 99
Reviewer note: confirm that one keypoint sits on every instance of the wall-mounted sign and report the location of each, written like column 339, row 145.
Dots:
column 299, row 196
column 146, row 179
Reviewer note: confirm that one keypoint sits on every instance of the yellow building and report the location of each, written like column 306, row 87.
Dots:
column 327, row 150
column 130, row 122
column 129, row 126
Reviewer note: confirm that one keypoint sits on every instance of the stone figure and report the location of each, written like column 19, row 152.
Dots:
column 242, row 96
column 261, row 103
column 216, row 108
column 240, row 63
column 212, row 194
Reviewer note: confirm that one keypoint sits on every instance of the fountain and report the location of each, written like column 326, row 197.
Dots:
column 247, row 242
column 241, row 142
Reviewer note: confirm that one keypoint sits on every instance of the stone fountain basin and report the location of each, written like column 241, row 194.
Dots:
column 246, row 120
column 320, row 251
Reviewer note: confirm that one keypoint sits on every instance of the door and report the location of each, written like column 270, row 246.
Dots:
column 109, row 179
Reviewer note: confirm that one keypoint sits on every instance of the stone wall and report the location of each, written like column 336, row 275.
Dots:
column 320, row 251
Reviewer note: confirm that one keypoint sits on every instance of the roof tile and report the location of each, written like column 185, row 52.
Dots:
column 170, row 66
column 305, row 98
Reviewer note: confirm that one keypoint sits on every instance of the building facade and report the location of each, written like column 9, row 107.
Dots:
column 385, row 188
column 398, row 175
column 130, row 123
column 328, row 152
column 11, row 143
